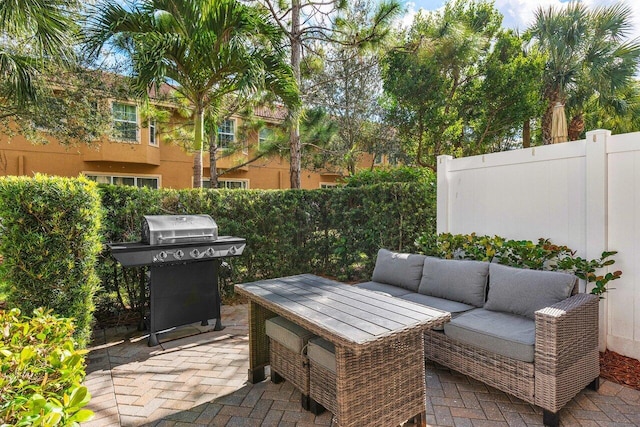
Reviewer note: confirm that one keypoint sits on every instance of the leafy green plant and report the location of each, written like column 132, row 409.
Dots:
column 542, row 255
column 41, row 371
column 50, row 238
column 586, row 270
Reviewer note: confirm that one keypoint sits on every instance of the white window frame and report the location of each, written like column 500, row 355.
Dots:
column 110, row 177
column 261, row 138
column 224, row 131
column 329, row 184
column 117, row 121
column 244, row 182
column 153, row 133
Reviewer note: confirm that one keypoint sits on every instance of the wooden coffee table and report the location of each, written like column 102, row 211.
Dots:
column 378, row 342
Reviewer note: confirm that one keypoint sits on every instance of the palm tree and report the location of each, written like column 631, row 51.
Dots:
column 587, row 58
column 204, row 49
column 33, row 35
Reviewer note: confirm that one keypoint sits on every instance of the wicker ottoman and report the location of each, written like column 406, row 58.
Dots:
column 322, row 375
column 287, row 354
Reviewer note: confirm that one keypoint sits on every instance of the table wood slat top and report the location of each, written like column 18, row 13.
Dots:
column 339, row 312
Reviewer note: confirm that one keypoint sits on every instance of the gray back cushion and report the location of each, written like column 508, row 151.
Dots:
column 398, row 269
column 521, row 291
column 456, row 280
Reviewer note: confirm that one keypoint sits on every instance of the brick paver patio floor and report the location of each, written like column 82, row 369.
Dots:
column 201, row 380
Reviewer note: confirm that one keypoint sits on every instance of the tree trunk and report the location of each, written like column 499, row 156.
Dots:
column 552, row 97
column 197, row 169
column 294, row 135
column 547, row 122
column 213, row 158
column 526, row 134
column 295, row 152
column 576, row 127
column 198, row 126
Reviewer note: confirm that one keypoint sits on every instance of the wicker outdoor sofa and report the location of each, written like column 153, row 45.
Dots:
column 528, row 333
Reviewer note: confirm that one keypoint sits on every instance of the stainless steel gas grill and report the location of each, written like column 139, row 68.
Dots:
column 184, row 253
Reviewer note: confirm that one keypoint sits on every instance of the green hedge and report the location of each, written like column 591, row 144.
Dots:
column 390, row 174
column 335, row 232
column 50, row 241
column 40, row 371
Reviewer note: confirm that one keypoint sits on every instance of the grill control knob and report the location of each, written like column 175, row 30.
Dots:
column 211, row 252
column 178, row 254
column 232, row 250
column 162, row 255
column 195, row 253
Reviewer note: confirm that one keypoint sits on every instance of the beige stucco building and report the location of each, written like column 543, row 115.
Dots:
column 143, row 158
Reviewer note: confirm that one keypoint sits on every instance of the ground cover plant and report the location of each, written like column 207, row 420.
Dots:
column 40, row 371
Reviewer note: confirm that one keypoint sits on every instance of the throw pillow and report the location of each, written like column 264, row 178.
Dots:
column 398, row 269
column 522, row 291
column 456, row 280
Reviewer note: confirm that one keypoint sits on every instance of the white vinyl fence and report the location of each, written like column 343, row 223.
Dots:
column 583, row 194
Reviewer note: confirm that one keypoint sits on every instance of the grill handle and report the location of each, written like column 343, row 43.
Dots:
column 184, row 237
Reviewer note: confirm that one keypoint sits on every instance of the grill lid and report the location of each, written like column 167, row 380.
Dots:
column 171, row 229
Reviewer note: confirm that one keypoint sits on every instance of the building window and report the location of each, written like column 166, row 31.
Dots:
column 233, row 184
column 264, row 135
column 378, row 159
column 134, row 181
column 153, row 136
column 226, row 133
column 328, row 184
column 229, row 184
column 147, row 182
column 125, row 121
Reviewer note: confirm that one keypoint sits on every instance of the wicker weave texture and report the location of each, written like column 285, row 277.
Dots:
column 380, row 371
column 512, row 376
column 292, row 366
column 322, row 386
column 258, row 342
column 383, row 385
column 566, row 358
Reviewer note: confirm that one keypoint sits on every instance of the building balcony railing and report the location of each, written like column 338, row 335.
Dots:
column 122, row 152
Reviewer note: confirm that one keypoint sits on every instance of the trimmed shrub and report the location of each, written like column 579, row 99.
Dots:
column 386, row 175
column 50, row 239
column 41, row 371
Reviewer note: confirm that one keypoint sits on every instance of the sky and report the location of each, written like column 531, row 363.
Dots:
column 518, row 14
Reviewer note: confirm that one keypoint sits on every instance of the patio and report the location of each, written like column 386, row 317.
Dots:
column 200, row 378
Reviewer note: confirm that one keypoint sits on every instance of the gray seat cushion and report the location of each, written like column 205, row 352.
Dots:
column 323, row 353
column 287, row 333
column 384, row 288
column 503, row 333
column 453, row 307
column 523, row 292
column 457, row 280
column 404, row 270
